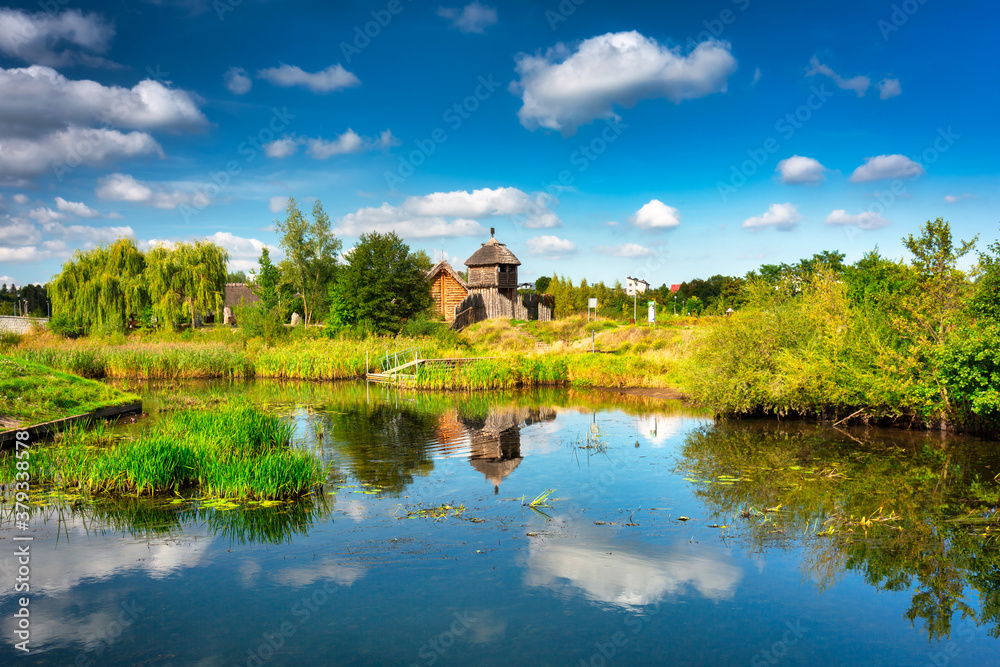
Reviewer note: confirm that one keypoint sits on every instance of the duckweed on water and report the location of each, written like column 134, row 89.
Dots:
column 236, row 452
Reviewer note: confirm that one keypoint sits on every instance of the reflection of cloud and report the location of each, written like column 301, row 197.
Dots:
column 345, row 575
column 659, row 429
column 57, row 570
column 627, row 577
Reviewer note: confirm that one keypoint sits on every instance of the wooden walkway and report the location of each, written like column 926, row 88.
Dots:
column 401, row 366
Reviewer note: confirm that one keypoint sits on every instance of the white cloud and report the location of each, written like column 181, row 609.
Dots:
column 630, row 250
column 886, row 166
column 334, row 77
column 476, row 204
column 564, row 89
column 71, row 147
column 20, row 198
column 858, row 84
column 798, row 169
column 454, row 213
column 55, row 39
column 320, row 149
column 863, row 220
column 278, row 204
column 888, row 88
column 243, row 252
column 238, row 82
column 123, row 187
column 550, row 245
column 35, row 100
column 756, row 77
column 78, row 209
column 17, row 232
column 86, row 235
column 951, row 199
column 44, row 215
column 474, row 17
column 281, row 148
column 656, row 215
column 348, row 142
column 387, row 218
column 779, row 216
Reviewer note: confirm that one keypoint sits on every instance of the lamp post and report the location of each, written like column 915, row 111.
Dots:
column 635, row 296
column 675, row 305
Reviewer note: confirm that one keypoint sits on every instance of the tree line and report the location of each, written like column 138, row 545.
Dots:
column 377, row 285
column 30, row 300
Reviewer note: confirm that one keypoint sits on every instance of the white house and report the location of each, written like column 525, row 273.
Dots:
column 634, row 286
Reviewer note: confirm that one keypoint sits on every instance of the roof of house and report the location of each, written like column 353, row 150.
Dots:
column 237, row 292
column 445, row 267
column 492, row 252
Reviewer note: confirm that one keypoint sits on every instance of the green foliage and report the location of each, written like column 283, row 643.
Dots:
column 186, row 279
column 266, row 282
column 101, row 289
column 311, row 250
column 102, row 286
column 258, row 321
column 985, row 301
column 236, row 276
column 542, row 284
column 879, row 338
column 382, row 283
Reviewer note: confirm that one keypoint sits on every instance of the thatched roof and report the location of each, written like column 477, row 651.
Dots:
column 492, row 252
column 237, row 292
column 445, row 267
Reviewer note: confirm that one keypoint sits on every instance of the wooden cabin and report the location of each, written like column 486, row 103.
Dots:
column 493, row 276
column 447, row 288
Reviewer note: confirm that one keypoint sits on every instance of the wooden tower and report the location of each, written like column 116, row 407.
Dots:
column 447, row 288
column 493, row 276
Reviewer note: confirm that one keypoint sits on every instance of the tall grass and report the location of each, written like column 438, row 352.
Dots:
column 236, row 452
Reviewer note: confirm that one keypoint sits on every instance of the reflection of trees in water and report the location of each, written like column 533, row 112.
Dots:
column 387, row 445
column 495, row 440
column 145, row 518
column 941, row 497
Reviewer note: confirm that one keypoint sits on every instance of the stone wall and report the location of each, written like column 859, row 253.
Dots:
column 21, row 325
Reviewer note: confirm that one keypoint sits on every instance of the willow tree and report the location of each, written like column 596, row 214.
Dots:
column 184, row 279
column 101, row 287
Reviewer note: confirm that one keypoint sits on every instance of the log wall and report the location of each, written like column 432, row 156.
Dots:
column 447, row 293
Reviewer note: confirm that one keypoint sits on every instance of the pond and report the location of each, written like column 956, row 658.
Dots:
column 667, row 538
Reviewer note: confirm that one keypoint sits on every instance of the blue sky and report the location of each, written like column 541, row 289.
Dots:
column 600, row 139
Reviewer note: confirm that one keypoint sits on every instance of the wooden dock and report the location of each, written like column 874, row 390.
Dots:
column 403, row 366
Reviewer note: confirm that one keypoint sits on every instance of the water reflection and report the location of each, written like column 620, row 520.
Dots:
column 912, row 512
column 496, row 439
column 584, row 560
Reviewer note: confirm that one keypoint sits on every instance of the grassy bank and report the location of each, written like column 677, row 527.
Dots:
column 236, row 452
column 556, row 353
column 31, row 393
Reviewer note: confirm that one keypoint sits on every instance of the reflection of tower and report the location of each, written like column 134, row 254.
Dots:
column 496, row 440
